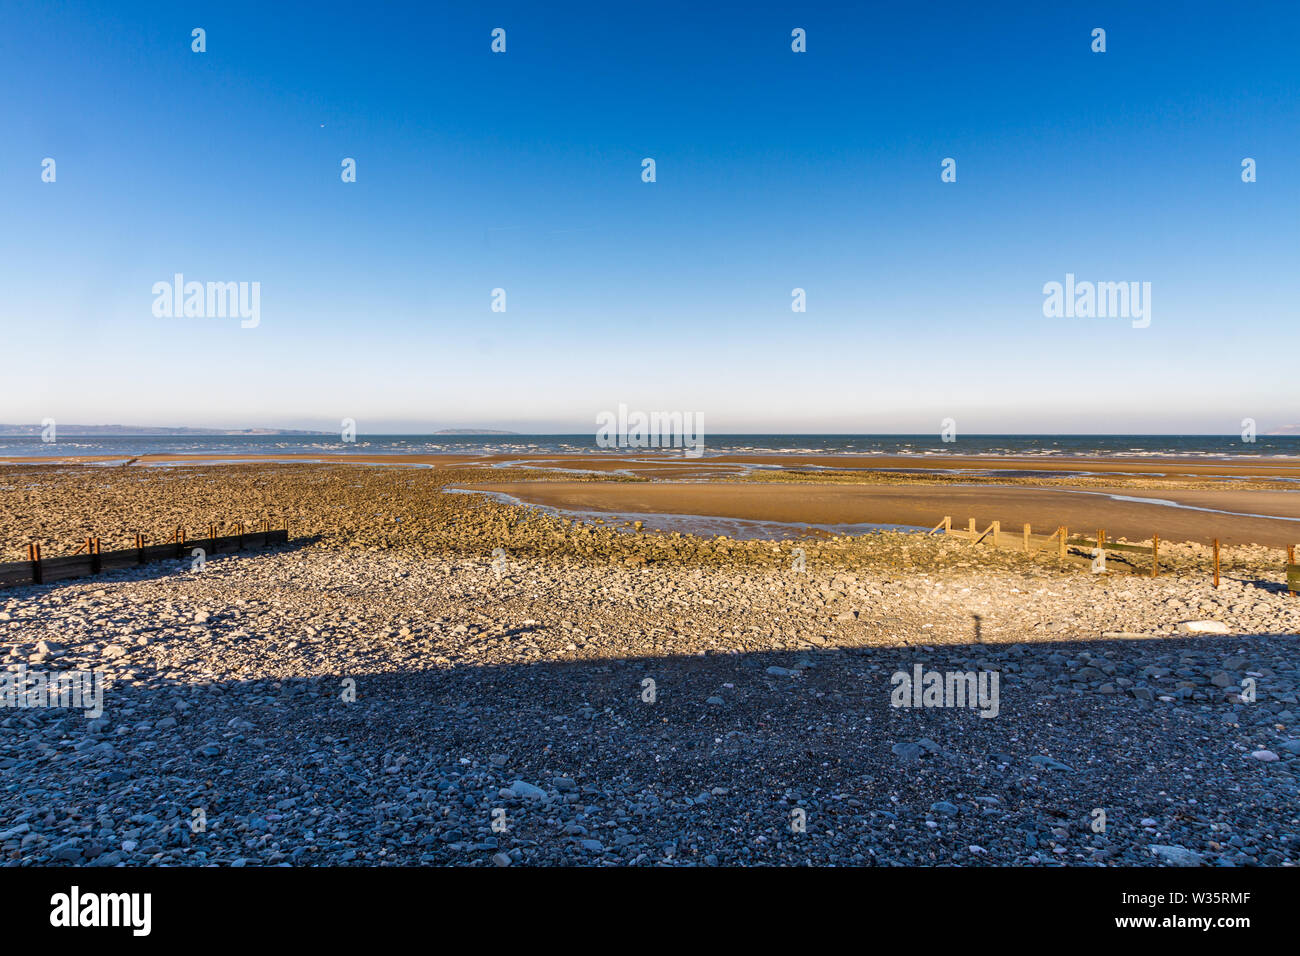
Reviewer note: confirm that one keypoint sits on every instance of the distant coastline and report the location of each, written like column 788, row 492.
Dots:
column 181, row 431
column 140, row 431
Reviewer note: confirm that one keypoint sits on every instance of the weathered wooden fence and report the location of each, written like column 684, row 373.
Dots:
column 1100, row 545
column 1066, row 546
column 90, row 559
column 1077, row 548
column 1025, row 540
column 1085, row 550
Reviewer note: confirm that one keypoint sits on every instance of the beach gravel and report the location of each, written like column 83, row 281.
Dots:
column 363, row 699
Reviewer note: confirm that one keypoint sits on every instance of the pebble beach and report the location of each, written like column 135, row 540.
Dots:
column 423, row 677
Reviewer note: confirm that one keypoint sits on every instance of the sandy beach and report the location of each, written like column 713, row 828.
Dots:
column 1239, row 501
column 417, row 666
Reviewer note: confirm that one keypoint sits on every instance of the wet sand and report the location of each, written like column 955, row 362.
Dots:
column 923, row 506
column 910, row 494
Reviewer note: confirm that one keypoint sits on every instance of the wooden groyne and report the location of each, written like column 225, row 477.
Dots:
column 1085, row 550
column 89, row 559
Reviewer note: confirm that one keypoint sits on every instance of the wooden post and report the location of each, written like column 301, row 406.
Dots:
column 96, row 565
column 1216, row 562
column 1026, row 539
column 34, row 555
column 997, row 529
column 972, row 529
column 139, row 548
column 1064, row 532
column 212, row 537
column 1290, row 560
column 1155, row 555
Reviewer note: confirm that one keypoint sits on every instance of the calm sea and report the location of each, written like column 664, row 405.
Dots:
column 1046, row 446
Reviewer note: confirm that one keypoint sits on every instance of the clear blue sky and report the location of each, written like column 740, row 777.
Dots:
column 775, row 170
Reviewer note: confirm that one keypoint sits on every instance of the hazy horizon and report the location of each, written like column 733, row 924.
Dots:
column 488, row 430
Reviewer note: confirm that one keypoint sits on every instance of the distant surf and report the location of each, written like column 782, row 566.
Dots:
column 1039, row 446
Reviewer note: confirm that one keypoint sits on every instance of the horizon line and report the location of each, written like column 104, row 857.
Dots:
column 213, row 432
